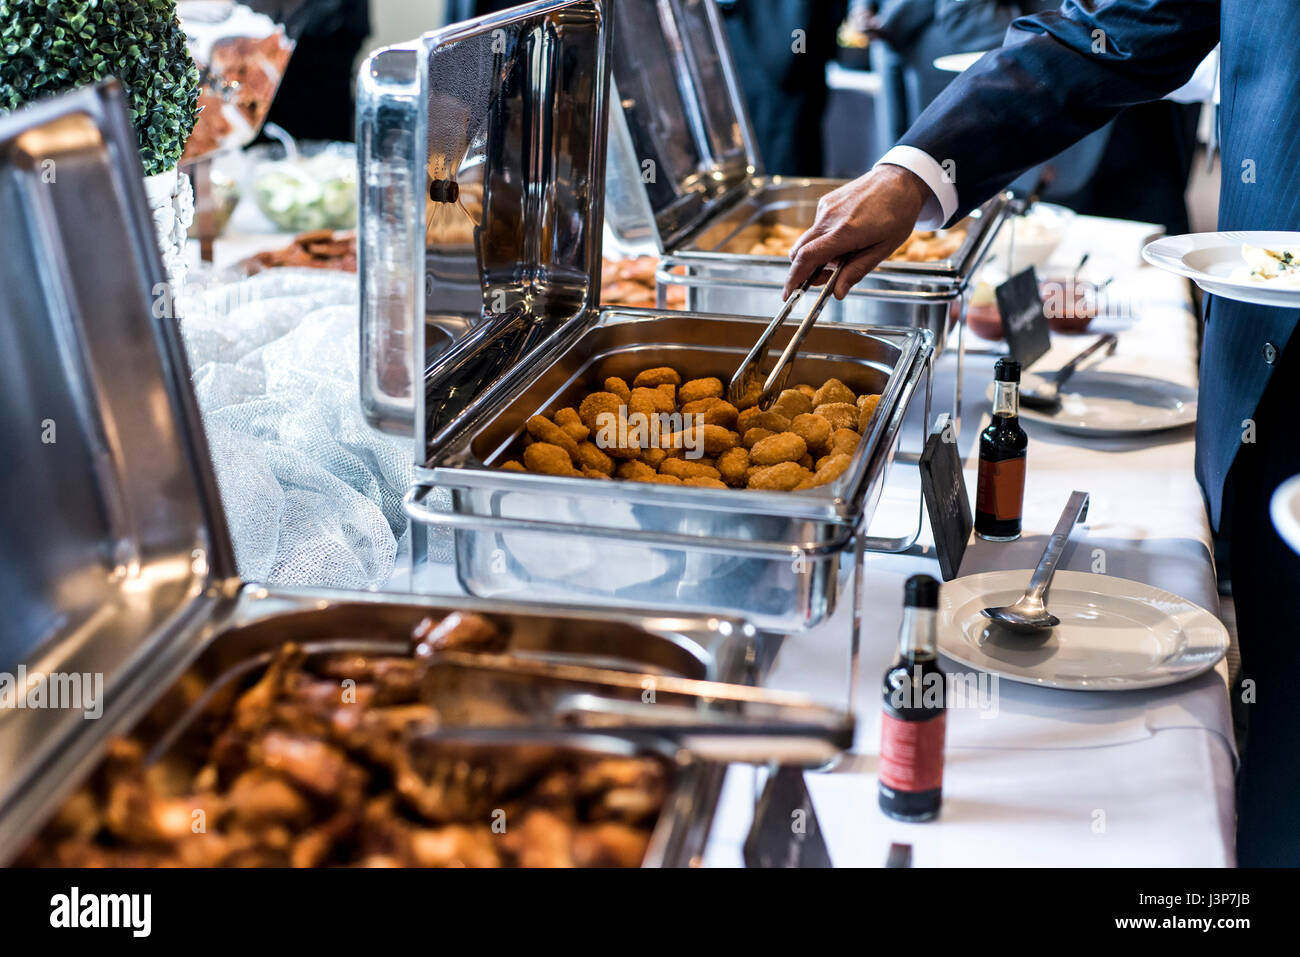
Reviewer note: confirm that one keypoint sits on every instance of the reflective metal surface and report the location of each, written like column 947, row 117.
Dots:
column 771, row 557
column 491, row 134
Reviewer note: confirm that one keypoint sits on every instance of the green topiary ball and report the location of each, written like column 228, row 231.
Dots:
column 49, row 46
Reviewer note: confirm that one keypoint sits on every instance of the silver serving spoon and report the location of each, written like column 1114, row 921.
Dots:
column 1030, row 612
column 1049, row 396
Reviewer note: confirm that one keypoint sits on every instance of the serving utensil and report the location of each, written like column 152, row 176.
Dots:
column 749, row 375
column 1049, row 397
column 1029, row 613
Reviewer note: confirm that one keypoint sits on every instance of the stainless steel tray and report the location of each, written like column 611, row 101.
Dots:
column 249, row 628
column 769, row 556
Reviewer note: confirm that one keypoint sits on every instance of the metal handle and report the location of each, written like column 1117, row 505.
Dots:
column 1070, row 368
column 1076, row 510
column 781, row 370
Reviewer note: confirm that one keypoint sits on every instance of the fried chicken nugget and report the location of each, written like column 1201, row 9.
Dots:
column 733, row 464
column 650, row 401
column 662, row 479
column 594, row 405
column 654, row 457
column 696, row 389
column 635, row 471
column 569, row 420
column 619, row 388
column 805, row 389
column 514, row 465
column 704, row 481
column 754, row 436
column 782, row 477
column 543, row 429
column 686, row 468
column 711, row 439
column 866, row 409
column 755, row 418
column 790, row 403
column 592, row 458
column 831, row 468
column 669, row 392
column 548, row 459
column 844, row 441
column 593, row 474
column 841, row 415
column 833, row 390
column 713, row 411
column 782, row 447
column 807, row 461
column 814, row 430
column 657, row 376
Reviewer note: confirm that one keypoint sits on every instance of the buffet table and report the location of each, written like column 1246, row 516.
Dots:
column 1053, row 777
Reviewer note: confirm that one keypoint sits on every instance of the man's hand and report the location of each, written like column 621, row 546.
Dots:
column 860, row 224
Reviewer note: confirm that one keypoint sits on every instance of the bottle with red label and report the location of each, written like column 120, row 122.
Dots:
column 1000, row 492
column 915, row 716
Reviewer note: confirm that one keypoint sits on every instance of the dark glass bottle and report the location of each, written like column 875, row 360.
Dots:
column 1000, row 492
column 914, row 718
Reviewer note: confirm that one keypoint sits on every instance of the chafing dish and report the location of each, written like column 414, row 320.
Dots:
column 118, row 573
column 686, row 179
column 529, row 135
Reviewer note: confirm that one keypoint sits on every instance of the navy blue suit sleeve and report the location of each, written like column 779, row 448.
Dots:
column 1058, row 77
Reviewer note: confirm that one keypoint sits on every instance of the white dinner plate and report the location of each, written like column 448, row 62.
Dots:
column 1097, row 402
column 1114, row 635
column 1208, row 259
column 1285, row 509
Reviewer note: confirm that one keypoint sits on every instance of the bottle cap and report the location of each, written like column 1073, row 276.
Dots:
column 1007, row 370
column 921, row 591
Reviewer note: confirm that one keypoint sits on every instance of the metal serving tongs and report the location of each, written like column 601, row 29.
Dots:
column 734, row 724
column 749, row 376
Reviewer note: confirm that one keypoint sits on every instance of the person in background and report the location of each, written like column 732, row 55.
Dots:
column 781, row 48
column 1051, row 83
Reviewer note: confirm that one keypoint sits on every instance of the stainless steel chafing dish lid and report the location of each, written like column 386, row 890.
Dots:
column 481, row 152
column 113, row 538
column 681, row 145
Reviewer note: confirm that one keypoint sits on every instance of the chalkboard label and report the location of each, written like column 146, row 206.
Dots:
column 1023, row 321
column 785, row 832
column 946, row 499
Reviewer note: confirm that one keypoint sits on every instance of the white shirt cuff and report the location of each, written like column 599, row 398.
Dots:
column 942, row 205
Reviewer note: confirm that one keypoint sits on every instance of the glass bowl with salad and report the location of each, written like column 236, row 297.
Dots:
column 316, row 189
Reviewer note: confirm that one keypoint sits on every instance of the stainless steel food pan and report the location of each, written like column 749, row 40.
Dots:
column 249, row 628
column 771, row 557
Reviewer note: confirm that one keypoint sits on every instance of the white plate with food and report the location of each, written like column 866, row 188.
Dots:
column 1285, row 509
column 1259, row 266
column 1114, row 635
column 1098, row 402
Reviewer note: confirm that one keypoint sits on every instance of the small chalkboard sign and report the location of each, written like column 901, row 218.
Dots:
column 1023, row 321
column 786, row 832
column 944, row 487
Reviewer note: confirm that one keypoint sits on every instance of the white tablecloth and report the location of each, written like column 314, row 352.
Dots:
column 1054, row 777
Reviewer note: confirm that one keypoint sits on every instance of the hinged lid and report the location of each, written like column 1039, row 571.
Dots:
column 495, row 147
column 111, row 528
column 682, row 143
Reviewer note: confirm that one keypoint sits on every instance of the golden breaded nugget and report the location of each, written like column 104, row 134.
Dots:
column 619, row 388
column 844, row 441
column 685, row 468
column 569, row 420
column 713, row 411
column 814, row 430
column 649, row 402
column 866, row 410
column 704, row 481
column 593, row 474
column 548, row 459
column 790, row 403
column 805, row 389
column 514, row 465
column 779, row 478
column 756, row 419
column 654, row 457
column 732, row 465
column 543, row 429
column 635, row 471
column 657, row 376
column 590, row 457
column 841, row 415
column 695, row 389
column 782, row 447
column 661, row 479
column 754, row 436
column 833, row 390
column 597, row 404
column 807, row 461
column 831, row 468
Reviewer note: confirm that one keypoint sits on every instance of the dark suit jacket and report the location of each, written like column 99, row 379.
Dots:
column 1062, row 75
